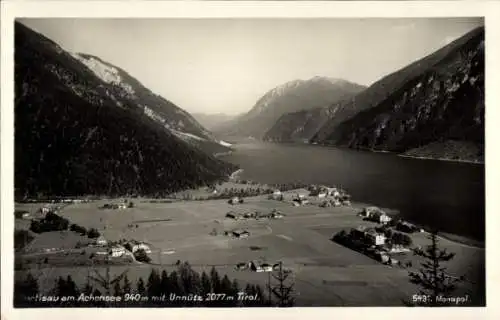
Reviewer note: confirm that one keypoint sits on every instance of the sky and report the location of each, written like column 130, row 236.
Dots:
column 226, row 65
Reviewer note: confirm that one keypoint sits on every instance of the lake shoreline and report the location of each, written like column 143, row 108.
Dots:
column 441, row 159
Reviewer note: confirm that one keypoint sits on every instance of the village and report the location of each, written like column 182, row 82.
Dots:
column 316, row 233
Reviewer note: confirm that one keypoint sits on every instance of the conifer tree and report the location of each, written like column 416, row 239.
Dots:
column 283, row 292
column 174, row 282
column 153, row 286
column 164, row 283
column 215, row 280
column 206, row 286
column 127, row 286
column 432, row 278
column 25, row 290
column 141, row 288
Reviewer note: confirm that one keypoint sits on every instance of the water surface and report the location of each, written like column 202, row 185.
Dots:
column 448, row 195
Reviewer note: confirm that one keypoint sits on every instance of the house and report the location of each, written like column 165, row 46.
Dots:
column 255, row 266
column 277, row 195
column 241, row 233
column 384, row 218
column 234, row 200
column 101, row 241
column 45, row 210
column 267, row 267
column 140, row 246
column 322, row 194
column 375, row 238
column 241, row 266
column 117, row 251
column 382, row 256
column 275, row 214
column 333, row 192
column 368, row 212
column 232, row 215
column 122, row 205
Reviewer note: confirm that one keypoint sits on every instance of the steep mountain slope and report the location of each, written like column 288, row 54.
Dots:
column 441, row 100
column 76, row 133
column 298, row 126
column 290, row 97
column 178, row 121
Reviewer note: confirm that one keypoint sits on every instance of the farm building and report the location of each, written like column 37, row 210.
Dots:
column 368, row 212
column 232, row 215
column 117, row 251
column 235, row 200
column 384, row 219
column 368, row 235
column 277, row 194
column 122, row 206
column 139, row 246
column 101, row 241
column 267, row 267
column 241, row 233
column 375, row 238
column 255, row 266
column 275, row 214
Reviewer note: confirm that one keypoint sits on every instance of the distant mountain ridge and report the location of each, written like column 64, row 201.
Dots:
column 438, row 98
column 435, row 100
column 212, row 121
column 292, row 96
column 81, row 130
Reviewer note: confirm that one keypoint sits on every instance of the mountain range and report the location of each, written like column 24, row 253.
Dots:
column 289, row 97
column 84, row 126
column 437, row 100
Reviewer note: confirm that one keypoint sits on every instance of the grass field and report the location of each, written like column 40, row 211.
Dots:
column 325, row 273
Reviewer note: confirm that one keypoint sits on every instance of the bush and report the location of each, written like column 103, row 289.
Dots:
column 93, row 233
column 51, row 222
column 131, row 204
column 401, row 238
column 141, row 256
column 78, row 229
column 22, row 238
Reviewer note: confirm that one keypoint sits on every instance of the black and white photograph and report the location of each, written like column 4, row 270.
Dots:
column 248, row 162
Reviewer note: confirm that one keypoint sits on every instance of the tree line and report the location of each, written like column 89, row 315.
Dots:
column 156, row 290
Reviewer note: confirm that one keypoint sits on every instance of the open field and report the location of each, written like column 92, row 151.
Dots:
column 325, row 273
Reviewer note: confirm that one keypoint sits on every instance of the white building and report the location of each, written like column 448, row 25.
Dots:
column 322, row 194
column 384, row 218
column 375, row 238
column 117, row 251
column 122, row 206
column 139, row 246
column 101, row 241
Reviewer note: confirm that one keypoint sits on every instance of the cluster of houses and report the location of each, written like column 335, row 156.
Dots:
column 299, row 200
column 119, row 249
column 274, row 214
column 257, row 266
column 235, row 200
column 115, row 206
column 276, row 195
column 375, row 214
column 378, row 244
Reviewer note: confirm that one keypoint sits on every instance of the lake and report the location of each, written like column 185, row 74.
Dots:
column 448, row 195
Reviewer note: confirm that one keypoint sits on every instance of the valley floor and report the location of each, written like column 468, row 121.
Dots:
column 324, row 272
